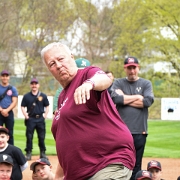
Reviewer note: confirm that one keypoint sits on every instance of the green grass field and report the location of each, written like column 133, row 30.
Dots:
column 20, row 139
column 163, row 139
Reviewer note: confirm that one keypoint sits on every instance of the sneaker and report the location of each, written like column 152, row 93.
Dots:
column 43, row 155
column 28, row 156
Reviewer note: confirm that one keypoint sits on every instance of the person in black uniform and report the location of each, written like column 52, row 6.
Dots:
column 37, row 105
column 19, row 161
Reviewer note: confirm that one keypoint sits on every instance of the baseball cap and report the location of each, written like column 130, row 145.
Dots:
column 5, row 158
column 143, row 174
column 3, row 129
column 131, row 61
column 82, row 63
column 154, row 164
column 5, row 72
column 34, row 80
column 43, row 161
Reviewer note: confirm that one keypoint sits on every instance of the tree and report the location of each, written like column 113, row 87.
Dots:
column 165, row 40
column 105, row 32
column 141, row 25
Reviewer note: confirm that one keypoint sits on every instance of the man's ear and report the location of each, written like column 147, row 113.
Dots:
column 72, row 56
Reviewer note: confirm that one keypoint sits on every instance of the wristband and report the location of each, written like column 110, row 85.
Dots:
column 90, row 81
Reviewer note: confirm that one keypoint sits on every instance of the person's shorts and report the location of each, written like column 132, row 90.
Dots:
column 115, row 171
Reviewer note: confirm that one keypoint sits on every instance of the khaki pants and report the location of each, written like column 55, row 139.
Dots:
column 114, row 171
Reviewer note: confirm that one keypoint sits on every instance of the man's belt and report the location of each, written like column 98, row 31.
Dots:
column 37, row 116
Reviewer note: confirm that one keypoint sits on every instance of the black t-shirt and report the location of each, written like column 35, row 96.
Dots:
column 41, row 103
column 18, row 160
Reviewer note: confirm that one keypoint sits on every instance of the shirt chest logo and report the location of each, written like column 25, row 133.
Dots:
column 138, row 89
column 9, row 92
column 57, row 116
column 40, row 98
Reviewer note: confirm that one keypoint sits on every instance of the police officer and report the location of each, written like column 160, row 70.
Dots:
column 8, row 100
column 37, row 106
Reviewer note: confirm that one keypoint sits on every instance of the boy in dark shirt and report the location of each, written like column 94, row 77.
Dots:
column 19, row 160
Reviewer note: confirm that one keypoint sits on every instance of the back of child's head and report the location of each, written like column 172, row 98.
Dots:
column 143, row 175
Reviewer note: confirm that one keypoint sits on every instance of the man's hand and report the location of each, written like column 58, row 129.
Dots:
column 44, row 115
column 26, row 117
column 119, row 91
column 82, row 93
column 140, row 97
column 4, row 112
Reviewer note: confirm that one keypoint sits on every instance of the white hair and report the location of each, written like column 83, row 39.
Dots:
column 54, row 44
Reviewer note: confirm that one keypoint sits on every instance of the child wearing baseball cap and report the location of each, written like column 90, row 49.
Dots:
column 155, row 168
column 42, row 169
column 6, row 166
column 143, row 175
column 19, row 160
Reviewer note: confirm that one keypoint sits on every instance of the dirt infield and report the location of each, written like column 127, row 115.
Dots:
column 170, row 167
